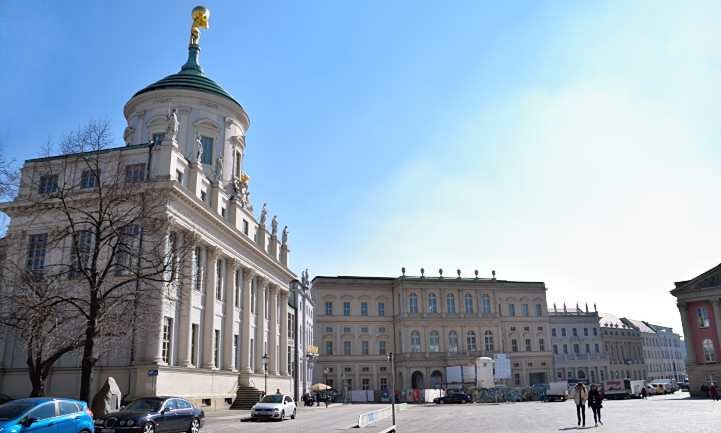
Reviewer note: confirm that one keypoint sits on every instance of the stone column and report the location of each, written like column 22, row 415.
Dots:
column 690, row 353
column 186, row 301
column 283, row 299
column 273, row 333
column 259, row 323
column 209, row 307
column 248, row 276
column 229, row 314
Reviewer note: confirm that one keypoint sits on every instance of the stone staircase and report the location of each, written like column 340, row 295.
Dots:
column 246, row 397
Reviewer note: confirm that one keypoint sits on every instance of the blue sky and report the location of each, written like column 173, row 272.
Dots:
column 575, row 143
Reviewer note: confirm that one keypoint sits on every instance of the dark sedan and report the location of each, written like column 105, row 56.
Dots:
column 454, row 397
column 153, row 415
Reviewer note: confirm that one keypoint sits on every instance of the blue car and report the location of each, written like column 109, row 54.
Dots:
column 46, row 415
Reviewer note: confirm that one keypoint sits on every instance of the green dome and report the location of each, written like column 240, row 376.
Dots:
column 190, row 77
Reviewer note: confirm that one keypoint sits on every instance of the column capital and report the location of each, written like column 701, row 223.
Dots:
column 273, row 288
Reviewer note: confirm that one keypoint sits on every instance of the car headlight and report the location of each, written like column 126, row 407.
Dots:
column 129, row 422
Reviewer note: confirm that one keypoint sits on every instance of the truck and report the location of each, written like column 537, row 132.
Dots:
column 634, row 387
column 557, row 391
column 615, row 389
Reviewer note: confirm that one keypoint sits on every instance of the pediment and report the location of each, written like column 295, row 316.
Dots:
column 706, row 280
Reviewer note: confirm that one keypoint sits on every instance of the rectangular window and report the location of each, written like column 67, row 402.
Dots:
column 179, row 176
column 328, row 330
column 127, row 249
column 575, row 332
column 588, row 348
column 565, row 349
column 528, row 344
column 48, row 184
column 553, row 332
column 236, row 352
column 381, row 309
column 135, row 173
column 365, row 384
column 364, row 347
column 539, row 310
column 347, row 330
column 89, row 179
column 207, row 157
column 364, row 330
column 328, row 347
column 595, row 332
column 82, row 245
column 346, row 308
column 555, row 349
column 597, row 348
column 576, row 349
column 511, row 310
column 194, row 344
column 219, row 279
column 347, row 347
column 216, row 348
column 167, row 339
column 541, row 345
column 703, row 321
column 384, row 384
column 563, row 332
column 381, row 347
column 328, row 308
column 364, row 308
column 514, row 345
column 246, row 228
column 516, row 379
column 585, row 332
column 203, row 196
column 524, row 310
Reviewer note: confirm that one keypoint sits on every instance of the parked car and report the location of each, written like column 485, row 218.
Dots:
column 454, row 397
column 683, row 386
column 650, row 389
column 153, row 415
column 46, row 414
column 274, row 406
column 4, row 398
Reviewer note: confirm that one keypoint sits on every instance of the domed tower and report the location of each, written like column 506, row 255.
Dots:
column 191, row 111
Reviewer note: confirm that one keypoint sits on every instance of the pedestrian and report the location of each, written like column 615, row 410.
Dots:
column 594, row 402
column 277, row 391
column 713, row 392
column 704, row 390
column 326, row 400
column 580, row 397
column 644, row 393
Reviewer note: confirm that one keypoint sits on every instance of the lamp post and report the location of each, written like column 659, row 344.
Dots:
column 392, row 360
column 265, row 371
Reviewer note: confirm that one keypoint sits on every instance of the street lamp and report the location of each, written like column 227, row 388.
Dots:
column 265, row 371
column 392, row 360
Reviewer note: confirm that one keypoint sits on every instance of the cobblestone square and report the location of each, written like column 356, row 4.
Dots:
column 673, row 413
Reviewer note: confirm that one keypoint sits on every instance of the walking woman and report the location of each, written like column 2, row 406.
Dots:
column 594, row 402
column 580, row 397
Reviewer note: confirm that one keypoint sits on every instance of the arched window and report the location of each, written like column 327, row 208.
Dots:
column 432, row 303
column 453, row 341
column 413, row 303
column 709, row 353
column 468, row 303
column 415, row 341
column 488, row 340
column 471, row 341
column 486, row 301
column 434, row 342
column 451, row 303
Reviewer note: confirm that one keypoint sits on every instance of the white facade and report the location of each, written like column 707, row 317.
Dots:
column 232, row 306
column 578, row 351
column 306, row 352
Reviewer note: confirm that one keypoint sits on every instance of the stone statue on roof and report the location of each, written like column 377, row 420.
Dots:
column 284, row 239
column 198, row 149
column 171, row 130
column 274, row 226
column 263, row 215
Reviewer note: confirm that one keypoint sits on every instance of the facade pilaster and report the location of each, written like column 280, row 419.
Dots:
column 245, row 336
column 209, row 308
column 186, row 301
column 273, row 332
column 229, row 352
column 283, row 299
column 259, row 324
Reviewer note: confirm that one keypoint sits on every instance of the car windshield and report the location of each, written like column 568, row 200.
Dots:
column 276, row 398
column 14, row 409
column 145, row 404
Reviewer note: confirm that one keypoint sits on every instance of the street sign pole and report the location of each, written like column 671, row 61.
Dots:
column 391, row 358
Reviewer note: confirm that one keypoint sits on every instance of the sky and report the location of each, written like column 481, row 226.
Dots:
column 575, row 143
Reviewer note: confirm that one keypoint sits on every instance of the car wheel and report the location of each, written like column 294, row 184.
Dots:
column 194, row 426
column 282, row 415
column 149, row 428
column 293, row 416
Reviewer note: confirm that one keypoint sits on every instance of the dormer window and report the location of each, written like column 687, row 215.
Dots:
column 207, row 157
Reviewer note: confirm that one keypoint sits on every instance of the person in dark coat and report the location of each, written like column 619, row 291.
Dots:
column 594, row 402
column 644, row 393
column 713, row 392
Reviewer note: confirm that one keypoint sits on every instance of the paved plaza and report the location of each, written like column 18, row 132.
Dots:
column 673, row 413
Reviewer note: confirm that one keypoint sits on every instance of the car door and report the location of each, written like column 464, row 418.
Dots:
column 69, row 414
column 167, row 418
column 45, row 419
column 290, row 405
column 184, row 414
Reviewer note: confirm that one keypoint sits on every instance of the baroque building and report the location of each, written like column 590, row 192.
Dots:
column 226, row 324
column 578, row 350
column 668, row 353
column 624, row 347
column 429, row 324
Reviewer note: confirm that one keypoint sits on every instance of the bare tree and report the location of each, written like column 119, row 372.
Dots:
column 115, row 257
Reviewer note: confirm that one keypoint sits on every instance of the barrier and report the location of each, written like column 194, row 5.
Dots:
column 368, row 418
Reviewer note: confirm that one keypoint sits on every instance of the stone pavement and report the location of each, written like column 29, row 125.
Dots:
column 670, row 414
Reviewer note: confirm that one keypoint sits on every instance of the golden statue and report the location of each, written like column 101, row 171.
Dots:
column 201, row 14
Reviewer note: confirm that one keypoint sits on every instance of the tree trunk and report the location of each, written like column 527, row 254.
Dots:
column 88, row 361
column 36, row 379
